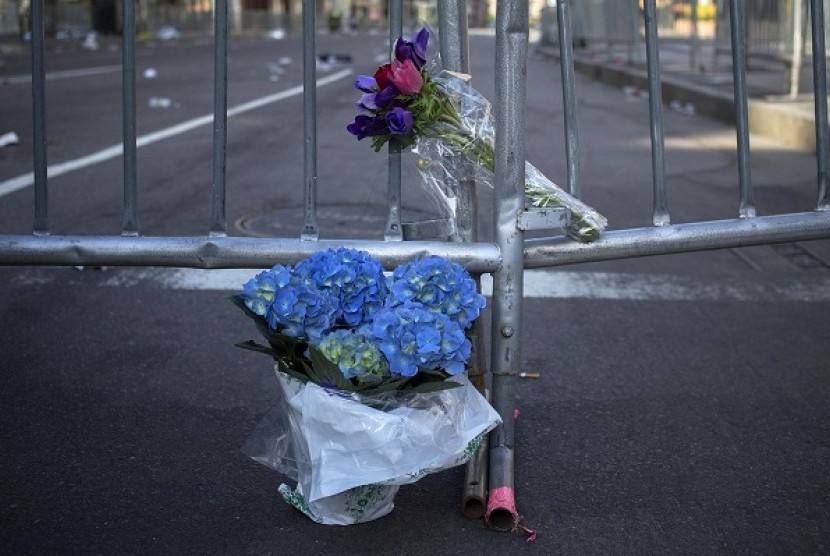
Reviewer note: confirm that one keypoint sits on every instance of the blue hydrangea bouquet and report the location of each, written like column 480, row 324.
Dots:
column 372, row 373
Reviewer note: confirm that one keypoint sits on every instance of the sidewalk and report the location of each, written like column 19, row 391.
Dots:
column 709, row 87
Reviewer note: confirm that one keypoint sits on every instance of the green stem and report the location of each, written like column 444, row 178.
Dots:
column 581, row 226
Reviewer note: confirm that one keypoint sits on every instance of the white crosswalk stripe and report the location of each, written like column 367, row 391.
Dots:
column 538, row 284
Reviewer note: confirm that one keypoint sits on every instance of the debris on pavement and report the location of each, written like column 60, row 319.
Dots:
column 167, row 33
column 687, row 108
column 275, row 71
column 634, row 93
column 160, row 102
column 276, row 34
column 90, row 41
column 9, row 138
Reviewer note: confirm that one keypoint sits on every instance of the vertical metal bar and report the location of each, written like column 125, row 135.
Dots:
column 310, row 231
column 606, row 28
column 218, row 224
column 455, row 56
column 511, row 91
column 695, row 38
column 633, row 43
column 452, row 30
column 820, row 94
column 736, row 26
column 660, row 214
column 40, row 225
column 798, row 48
column 129, row 225
column 566, row 67
column 394, row 232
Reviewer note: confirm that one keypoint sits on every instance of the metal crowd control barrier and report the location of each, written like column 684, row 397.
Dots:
column 506, row 257
column 773, row 30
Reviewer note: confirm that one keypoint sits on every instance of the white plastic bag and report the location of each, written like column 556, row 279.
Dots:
column 349, row 454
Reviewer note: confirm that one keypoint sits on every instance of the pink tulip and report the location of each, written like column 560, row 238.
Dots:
column 406, row 77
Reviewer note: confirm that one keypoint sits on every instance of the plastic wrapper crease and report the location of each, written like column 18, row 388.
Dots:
column 348, row 454
column 473, row 141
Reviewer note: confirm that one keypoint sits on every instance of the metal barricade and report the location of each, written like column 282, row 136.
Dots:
column 490, row 479
column 774, row 30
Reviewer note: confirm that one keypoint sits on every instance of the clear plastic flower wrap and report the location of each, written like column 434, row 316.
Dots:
column 414, row 102
column 349, row 453
column 473, row 137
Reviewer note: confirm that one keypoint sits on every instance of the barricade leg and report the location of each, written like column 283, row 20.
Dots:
column 511, row 63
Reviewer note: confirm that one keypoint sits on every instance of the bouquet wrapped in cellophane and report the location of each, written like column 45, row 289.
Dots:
column 371, row 370
column 441, row 116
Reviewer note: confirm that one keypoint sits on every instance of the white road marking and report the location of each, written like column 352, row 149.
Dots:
column 538, row 284
column 65, row 74
column 114, row 151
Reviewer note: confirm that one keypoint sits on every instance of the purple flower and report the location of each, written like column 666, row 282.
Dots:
column 366, row 83
column 414, row 49
column 368, row 126
column 367, row 102
column 399, row 121
column 377, row 100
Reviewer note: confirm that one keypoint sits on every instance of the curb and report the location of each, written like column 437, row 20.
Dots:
column 770, row 119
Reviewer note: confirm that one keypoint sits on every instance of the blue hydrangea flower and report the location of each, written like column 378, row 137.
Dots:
column 353, row 279
column 412, row 335
column 301, row 311
column 288, row 304
column 258, row 292
column 354, row 353
column 441, row 285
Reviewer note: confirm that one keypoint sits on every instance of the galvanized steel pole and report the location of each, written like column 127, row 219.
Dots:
column 660, row 215
column 738, row 37
column 511, row 90
column 310, row 230
column 394, row 229
column 129, row 226
column 566, row 67
column 218, row 223
column 452, row 31
column 40, row 225
column 820, row 94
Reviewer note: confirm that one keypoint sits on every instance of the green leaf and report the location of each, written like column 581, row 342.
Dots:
column 253, row 346
column 433, row 386
column 236, row 300
column 389, row 385
column 309, row 370
column 285, row 368
column 366, row 382
column 329, row 371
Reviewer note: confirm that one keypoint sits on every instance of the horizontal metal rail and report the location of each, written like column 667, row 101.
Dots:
column 225, row 252
column 679, row 238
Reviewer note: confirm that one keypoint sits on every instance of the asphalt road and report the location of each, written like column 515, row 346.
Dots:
column 682, row 404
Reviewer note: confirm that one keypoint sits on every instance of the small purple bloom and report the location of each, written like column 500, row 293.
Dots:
column 385, row 97
column 367, row 126
column 377, row 100
column 399, row 121
column 414, row 49
column 366, row 83
column 367, row 102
